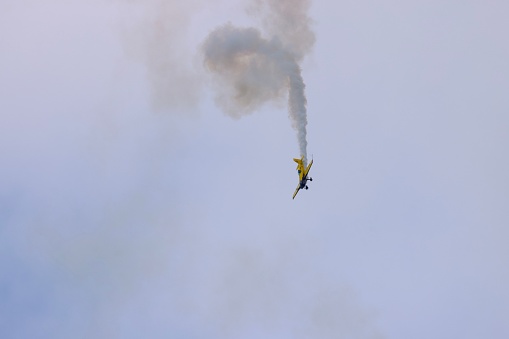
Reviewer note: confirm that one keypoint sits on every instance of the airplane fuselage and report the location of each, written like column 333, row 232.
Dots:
column 303, row 182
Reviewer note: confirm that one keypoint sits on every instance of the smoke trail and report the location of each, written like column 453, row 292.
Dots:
column 157, row 37
column 251, row 70
column 288, row 20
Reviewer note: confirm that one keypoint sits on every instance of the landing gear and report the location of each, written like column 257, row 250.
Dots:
column 306, row 187
column 310, row 179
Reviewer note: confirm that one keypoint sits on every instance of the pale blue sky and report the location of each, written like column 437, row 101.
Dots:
column 131, row 206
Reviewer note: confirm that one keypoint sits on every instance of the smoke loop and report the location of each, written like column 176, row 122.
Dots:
column 251, row 70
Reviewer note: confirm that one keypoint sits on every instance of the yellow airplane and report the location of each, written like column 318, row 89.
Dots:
column 303, row 174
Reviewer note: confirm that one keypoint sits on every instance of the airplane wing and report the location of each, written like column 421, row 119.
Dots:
column 308, row 168
column 296, row 191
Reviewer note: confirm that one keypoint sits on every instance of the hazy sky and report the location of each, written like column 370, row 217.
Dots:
column 132, row 206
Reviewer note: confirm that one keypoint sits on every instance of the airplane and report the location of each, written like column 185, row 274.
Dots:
column 303, row 174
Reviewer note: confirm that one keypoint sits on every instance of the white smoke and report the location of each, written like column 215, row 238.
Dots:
column 158, row 36
column 251, row 69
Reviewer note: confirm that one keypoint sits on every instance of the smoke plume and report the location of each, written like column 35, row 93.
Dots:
column 251, row 69
column 158, row 37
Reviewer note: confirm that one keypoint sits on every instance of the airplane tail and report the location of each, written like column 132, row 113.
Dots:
column 300, row 164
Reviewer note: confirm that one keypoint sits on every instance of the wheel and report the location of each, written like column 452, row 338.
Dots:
column 306, row 187
column 310, row 179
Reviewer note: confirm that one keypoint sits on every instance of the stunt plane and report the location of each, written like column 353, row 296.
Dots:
column 303, row 174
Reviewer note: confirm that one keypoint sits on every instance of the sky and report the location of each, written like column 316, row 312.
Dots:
column 132, row 205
